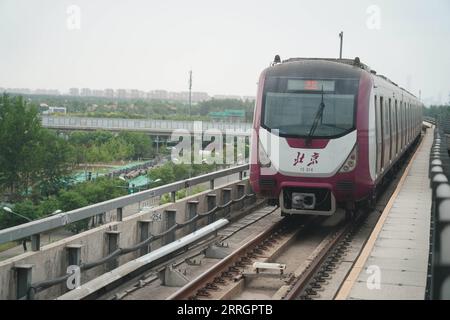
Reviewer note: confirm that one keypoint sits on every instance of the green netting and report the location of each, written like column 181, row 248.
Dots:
column 140, row 181
column 81, row 176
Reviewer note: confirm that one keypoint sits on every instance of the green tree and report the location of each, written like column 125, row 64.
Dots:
column 48, row 206
column 141, row 142
column 55, row 157
column 164, row 173
column 71, row 200
column 20, row 135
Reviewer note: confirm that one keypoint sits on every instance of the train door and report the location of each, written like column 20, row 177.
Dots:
column 388, row 133
column 402, row 126
column 392, row 127
column 385, row 129
column 409, row 122
column 397, row 127
column 405, row 124
column 379, row 134
column 383, row 133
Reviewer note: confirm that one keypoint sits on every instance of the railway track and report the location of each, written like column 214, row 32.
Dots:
column 249, row 217
column 318, row 275
column 292, row 258
column 286, row 275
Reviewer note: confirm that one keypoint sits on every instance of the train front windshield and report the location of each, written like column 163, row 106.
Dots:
column 292, row 106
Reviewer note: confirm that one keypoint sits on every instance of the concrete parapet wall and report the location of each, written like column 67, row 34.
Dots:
column 53, row 259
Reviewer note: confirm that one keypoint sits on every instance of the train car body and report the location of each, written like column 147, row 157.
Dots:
column 326, row 132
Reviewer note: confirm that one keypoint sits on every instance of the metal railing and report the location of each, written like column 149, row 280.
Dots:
column 42, row 285
column 37, row 227
column 430, row 120
column 438, row 287
column 67, row 122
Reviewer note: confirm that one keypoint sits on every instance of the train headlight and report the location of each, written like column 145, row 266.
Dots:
column 263, row 158
column 351, row 162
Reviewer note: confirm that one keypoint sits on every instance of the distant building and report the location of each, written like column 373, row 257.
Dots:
column 57, row 110
column 157, row 95
column 176, row 96
column 86, row 92
column 200, row 96
column 74, row 92
column 50, row 92
column 18, row 90
column 121, row 93
column 97, row 93
column 224, row 96
column 136, row 94
column 229, row 115
column 234, row 97
column 183, row 96
column 45, row 109
column 109, row 93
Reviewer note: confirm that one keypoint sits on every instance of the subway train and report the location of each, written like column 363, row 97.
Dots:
column 327, row 133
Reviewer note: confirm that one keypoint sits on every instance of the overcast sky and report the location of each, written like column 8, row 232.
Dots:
column 152, row 44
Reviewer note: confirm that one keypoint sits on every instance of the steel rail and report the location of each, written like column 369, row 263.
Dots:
column 302, row 281
column 189, row 290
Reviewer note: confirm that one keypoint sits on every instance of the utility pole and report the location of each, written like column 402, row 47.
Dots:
column 190, row 105
column 341, row 35
column 190, row 92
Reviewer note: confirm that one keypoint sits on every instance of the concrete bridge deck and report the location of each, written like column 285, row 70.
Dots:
column 394, row 262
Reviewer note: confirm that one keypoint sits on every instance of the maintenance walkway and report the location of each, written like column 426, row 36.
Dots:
column 394, row 263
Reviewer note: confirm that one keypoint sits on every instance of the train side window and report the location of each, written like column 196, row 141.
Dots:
column 383, row 130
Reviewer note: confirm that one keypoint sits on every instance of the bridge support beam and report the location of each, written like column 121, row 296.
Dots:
column 36, row 242
column 112, row 238
column 144, row 231
column 216, row 252
column 226, row 197
column 119, row 214
column 240, row 194
column 192, row 207
column 211, row 200
column 23, row 275
column 170, row 222
column 171, row 277
column 74, row 254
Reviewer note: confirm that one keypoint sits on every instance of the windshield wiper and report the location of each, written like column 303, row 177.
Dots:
column 317, row 118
